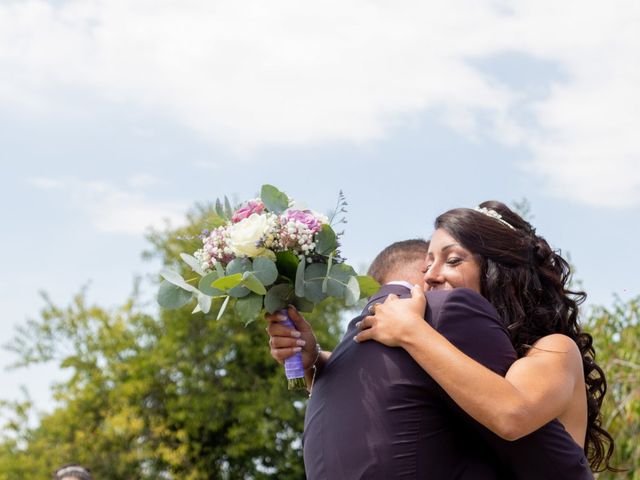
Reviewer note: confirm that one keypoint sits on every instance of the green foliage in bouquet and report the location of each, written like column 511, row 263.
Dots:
column 277, row 267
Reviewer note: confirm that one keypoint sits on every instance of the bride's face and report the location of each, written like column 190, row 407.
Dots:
column 450, row 265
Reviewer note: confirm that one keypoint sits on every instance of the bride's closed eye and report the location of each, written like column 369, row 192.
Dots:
column 453, row 261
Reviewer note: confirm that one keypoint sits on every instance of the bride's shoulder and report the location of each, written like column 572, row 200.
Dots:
column 557, row 344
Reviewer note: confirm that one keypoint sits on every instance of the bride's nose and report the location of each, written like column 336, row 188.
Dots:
column 433, row 276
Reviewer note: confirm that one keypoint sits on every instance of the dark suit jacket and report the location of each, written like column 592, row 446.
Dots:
column 375, row 414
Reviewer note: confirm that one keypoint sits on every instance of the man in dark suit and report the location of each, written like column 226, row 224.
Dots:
column 375, row 414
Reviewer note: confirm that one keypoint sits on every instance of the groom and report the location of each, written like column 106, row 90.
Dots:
column 375, row 414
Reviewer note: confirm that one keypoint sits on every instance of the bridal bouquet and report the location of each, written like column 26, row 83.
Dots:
column 266, row 256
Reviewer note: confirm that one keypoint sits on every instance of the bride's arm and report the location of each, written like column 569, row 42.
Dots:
column 536, row 389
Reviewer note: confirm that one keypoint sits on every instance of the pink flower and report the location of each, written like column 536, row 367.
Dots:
column 252, row 206
column 305, row 217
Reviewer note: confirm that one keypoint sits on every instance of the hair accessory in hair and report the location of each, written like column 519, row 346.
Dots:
column 493, row 214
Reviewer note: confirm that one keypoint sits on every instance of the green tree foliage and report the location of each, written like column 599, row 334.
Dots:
column 616, row 333
column 159, row 394
column 173, row 395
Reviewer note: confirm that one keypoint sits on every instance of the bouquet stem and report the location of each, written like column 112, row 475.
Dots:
column 293, row 367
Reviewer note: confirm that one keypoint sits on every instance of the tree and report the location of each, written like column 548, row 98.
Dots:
column 616, row 334
column 159, row 394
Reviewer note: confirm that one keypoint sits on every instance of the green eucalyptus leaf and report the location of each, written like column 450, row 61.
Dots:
column 204, row 302
column 227, row 208
column 228, row 282
column 239, row 265
column 172, row 297
column 205, row 284
column 338, row 278
column 219, row 269
column 274, row 200
column 299, row 285
column 250, row 281
column 352, row 292
column 313, row 292
column 249, row 307
column 287, row 262
column 239, row 291
column 315, row 272
column 193, row 263
column 368, row 285
column 326, row 279
column 326, row 240
column 314, row 276
column 278, row 297
column 265, row 270
column 342, row 272
column 223, row 307
column 335, row 288
column 176, row 279
column 303, row 304
column 220, row 210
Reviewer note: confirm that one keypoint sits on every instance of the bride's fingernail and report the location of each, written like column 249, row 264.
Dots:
column 355, row 339
column 302, row 343
column 358, row 324
column 295, row 333
column 297, row 349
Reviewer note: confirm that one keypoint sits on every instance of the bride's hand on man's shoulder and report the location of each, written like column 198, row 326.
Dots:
column 394, row 321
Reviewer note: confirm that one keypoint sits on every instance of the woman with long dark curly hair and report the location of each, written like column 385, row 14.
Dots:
column 494, row 251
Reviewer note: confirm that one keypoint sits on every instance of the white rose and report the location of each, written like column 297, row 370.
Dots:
column 244, row 235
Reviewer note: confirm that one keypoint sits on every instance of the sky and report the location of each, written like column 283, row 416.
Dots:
column 119, row 115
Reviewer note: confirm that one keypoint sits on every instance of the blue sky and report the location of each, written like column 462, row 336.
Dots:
column 115, row 115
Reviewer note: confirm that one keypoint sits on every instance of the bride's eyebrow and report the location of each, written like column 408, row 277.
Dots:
column 447, row 247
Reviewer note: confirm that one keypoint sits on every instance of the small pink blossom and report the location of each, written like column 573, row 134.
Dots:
column 252, row 206
column 306, row 218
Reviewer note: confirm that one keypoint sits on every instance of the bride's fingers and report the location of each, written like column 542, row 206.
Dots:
column 286, row 342
column 364, row 335
column 281, row 354
column 365, row 323
column 279, row 330
column 391, row 298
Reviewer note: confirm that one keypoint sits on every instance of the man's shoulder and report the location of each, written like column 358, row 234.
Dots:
column 457, row 294
column 388, row 289
column 459, row 302
column 472, row 325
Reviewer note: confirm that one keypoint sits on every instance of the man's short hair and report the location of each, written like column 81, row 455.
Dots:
column 395, row 256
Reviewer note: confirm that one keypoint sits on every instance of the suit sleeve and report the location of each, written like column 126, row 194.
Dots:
column 470, row 323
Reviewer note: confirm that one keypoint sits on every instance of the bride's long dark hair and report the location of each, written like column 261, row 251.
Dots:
column 528, row 284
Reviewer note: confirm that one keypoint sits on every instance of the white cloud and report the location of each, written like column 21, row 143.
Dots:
column 44, row 183
column 116, row 210
column 250, row 73
column 143, row 180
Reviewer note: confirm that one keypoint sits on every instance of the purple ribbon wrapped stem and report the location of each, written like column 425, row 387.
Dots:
column 293, row 365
